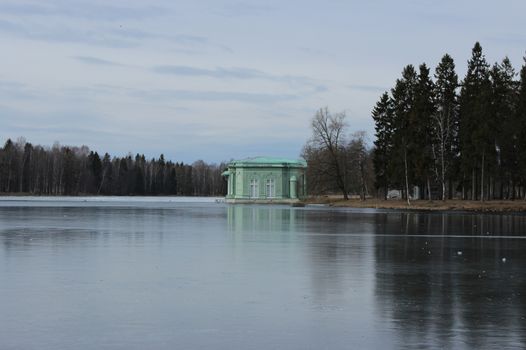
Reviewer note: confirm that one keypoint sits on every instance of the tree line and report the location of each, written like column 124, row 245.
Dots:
column 450, row 138
column 66, row 170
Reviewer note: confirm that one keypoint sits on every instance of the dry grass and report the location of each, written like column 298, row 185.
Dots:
column 486, row 206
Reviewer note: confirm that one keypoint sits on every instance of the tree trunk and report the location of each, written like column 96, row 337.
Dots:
column 482, row 178
column 406, row 177
column 428, row 189
column 362, row 179
column 341, row 181
column 443, row 172
column 101, row 181
column 473, row 184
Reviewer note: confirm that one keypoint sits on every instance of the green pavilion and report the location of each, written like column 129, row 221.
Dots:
column 266, row 180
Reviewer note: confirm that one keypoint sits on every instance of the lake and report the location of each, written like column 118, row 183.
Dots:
column 190, row 273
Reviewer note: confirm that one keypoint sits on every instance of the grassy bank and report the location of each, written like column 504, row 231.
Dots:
column 486, row 206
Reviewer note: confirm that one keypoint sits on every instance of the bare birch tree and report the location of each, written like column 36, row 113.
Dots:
column 328, row 137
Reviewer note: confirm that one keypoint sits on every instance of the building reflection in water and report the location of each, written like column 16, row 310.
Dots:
column 251, row 219
column 335, row 255
column 452, row 280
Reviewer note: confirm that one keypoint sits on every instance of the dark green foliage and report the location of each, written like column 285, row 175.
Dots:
column 471, row 145
column 520, row 119
column 423, row 140
column 446, row 123
column 59, row 170
column 383, row 119
column 505, row 126
column 404, row 130
column 477, row 137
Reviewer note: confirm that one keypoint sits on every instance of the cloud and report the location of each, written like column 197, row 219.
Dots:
column 16, row 90
column 208, row 96
column 238, row 9
column 53, row 32
column 241, row 74
column 368, row 88
column 88, row 10
column 222, row 73
column 507, row 39
column 312, row 51
column 96, row 61
column 122, row 36
column 99, row 23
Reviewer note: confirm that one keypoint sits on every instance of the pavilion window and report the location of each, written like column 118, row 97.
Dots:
column 270, row 188
column 254, row 188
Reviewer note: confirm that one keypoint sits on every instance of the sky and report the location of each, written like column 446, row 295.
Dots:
column 220, row 80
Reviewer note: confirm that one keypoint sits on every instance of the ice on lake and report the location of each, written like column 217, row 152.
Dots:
column 170, row 272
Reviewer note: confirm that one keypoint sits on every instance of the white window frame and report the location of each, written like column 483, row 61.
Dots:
column 254, row 188
column 270, row 188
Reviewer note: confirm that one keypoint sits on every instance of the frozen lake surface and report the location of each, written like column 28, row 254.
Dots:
column 191, row 273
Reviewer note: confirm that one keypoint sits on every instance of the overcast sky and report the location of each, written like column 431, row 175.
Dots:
column 216, row 80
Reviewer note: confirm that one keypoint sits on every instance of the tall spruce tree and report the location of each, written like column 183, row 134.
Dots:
column 504, row 125
column 383, row 120
column 445, row 120
column 421, row 123
column 521, row 126
column 475, row 121
column 403, row 95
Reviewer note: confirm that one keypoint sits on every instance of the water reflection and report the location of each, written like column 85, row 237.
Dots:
column 260, row 277
column 454, row 279
column 246, row 219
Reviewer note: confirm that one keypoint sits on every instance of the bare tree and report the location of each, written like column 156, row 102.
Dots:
column 328, row 139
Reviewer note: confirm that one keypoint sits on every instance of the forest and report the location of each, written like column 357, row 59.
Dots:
column 453, row 138
column 66, row 170
column 435, row 137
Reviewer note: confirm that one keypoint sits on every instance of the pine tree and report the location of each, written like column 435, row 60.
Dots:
column 69, row 172
column 503, row 124
column 383, row 119
column 521, row 126
column 95, row 168
column 475, row 121
column 403, row 95
column 445, row 120
column 107, row 175
column 421, row 123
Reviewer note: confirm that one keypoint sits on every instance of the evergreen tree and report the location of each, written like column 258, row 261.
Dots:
column 8, row 166
column 504, row 125
column 422, row 158
column 445, row 120
column 403, row 95
column 521, row 126
column 69, row 173
column 95, row 167
column 107, row 175
column 25, row 183
column 383, row 119
column 139, row 175
column 122, row 177
column 475, row 121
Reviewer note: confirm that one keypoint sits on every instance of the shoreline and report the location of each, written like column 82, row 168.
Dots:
column 489, row 206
